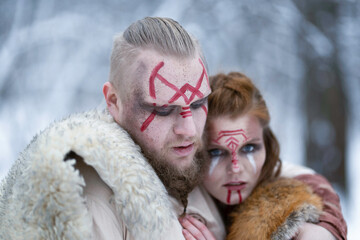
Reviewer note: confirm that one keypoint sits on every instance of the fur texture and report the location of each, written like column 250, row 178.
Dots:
column 41, row 198
column 275, row 211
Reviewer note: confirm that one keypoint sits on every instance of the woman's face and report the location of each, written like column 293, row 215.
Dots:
column 237, row 154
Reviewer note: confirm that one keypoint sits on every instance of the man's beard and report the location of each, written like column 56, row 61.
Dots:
column 178, row 182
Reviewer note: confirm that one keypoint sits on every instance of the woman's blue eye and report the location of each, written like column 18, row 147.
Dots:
column 215, row 152
column 248, row 148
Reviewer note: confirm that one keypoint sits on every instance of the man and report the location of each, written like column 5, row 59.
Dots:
column 84, row 178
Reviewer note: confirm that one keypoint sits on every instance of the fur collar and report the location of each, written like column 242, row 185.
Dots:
column 41, row 198
column 275, row 210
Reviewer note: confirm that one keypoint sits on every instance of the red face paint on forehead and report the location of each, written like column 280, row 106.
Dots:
column 178, row 92
column 195, row 91
column 227, row 133
column 232, row 144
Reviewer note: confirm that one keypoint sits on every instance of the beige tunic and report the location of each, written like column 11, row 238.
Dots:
column 107, row 224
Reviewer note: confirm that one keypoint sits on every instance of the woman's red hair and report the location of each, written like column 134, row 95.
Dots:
column 234, row 95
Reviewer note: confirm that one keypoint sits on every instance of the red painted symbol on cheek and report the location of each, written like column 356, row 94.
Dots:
column 195, row 91
column 205, row 109
column 149, row 119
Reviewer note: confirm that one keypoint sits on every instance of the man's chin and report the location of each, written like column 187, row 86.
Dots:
column 182, row 163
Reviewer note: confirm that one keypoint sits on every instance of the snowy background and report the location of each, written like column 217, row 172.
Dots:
column 54, row 59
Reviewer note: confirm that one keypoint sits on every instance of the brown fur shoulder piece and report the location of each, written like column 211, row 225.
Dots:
column 275, row 210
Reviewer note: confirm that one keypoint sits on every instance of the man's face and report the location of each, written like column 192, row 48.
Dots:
column 166, row 110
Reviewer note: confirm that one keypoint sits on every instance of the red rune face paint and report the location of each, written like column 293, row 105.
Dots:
column 195, row 91
column 186, row 112
column 228, row 199
column 205, row 109
column 149, row 119
column 240, row 198
column 232, row 144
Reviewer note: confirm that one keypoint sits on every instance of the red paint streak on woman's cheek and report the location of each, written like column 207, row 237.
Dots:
column 240, row 198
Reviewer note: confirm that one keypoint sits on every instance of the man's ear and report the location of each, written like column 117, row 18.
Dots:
column 113, row 101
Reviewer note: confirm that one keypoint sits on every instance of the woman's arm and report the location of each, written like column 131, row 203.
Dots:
column 309, row 231
column 331, row 219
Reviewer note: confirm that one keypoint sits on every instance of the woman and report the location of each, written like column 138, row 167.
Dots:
column 245, row 164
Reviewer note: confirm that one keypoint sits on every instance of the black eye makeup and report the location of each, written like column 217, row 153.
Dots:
column 164, row 111
column 197, row 104
column 250, row 148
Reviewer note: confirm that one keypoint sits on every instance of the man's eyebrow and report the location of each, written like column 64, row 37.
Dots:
column 151, row 106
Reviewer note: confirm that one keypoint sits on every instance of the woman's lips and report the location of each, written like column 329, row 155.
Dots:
column 184, row 150
column 235, row 186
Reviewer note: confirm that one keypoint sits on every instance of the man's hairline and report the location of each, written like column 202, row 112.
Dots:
column 141, row 62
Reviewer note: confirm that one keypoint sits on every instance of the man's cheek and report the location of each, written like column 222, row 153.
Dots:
column 134, row 119
column 156, row 131
column 199, row 118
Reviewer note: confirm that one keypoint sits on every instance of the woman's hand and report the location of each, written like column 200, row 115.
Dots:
column 194, row 229
column 312, row 231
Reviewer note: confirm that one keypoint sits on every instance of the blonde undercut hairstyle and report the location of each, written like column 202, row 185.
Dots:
column 163, row 35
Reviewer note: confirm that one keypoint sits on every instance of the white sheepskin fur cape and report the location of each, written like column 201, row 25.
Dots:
column 41, row 198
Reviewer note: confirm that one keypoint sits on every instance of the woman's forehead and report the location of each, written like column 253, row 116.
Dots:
column 225, row 125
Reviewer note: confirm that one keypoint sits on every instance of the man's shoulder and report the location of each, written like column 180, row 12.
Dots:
column 44, row 173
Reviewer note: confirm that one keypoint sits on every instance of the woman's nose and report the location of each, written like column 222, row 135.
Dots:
column 235, row 166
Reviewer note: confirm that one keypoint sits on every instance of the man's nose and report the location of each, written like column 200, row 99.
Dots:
column 185, row 126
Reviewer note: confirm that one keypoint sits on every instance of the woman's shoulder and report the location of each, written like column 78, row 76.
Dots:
column 275, row 210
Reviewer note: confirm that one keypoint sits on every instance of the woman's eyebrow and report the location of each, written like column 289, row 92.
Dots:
column 256, row 139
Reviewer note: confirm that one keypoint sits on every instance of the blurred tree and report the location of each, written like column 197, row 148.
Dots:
column 324, row 99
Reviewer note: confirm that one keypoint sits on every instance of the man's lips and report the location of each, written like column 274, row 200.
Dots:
column 235, row 186
column 184, row 150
